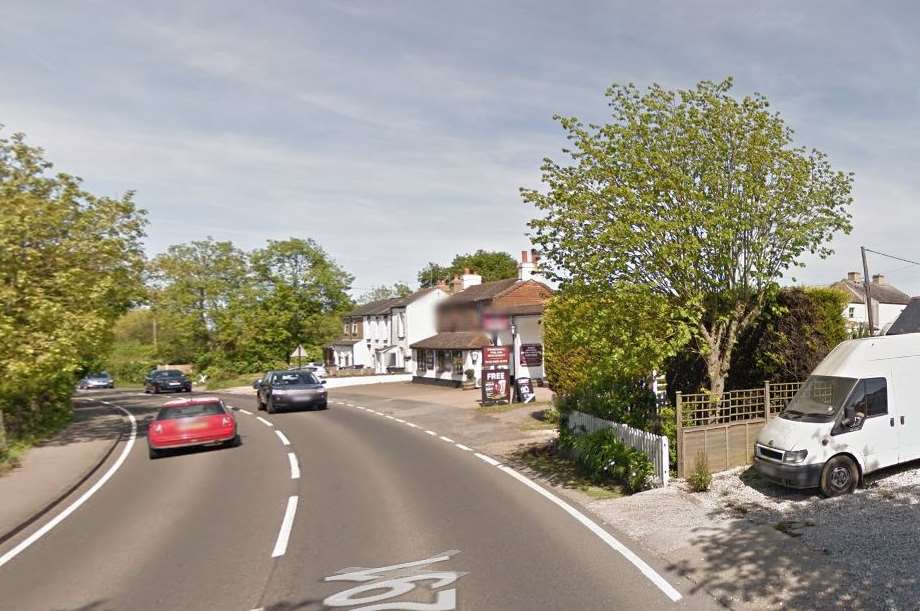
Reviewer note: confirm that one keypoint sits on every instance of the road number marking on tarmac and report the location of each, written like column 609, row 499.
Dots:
column 396, row 580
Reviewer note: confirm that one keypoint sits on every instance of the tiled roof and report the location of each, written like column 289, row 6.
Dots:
column 383, row 306
column 481, row 292
column 454, row 340
column 882, row 293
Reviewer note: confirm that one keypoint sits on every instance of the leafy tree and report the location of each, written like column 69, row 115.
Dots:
column 70, row 263
column 399, row 289
column 695, row 194
column 491, row 265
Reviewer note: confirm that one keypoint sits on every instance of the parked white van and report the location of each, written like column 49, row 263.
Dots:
column 859, row 411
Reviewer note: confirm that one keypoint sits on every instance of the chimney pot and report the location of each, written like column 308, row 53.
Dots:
column 524, row 256
column 466, row 270
column 879, row 279
column 854, row 276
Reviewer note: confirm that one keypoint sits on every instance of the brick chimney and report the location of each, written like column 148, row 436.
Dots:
column 456, row 285
column 879, row 280
column 854, row 277
column 470, row 278
column 527, row 268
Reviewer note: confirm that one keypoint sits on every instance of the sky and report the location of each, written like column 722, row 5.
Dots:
column 397, row 133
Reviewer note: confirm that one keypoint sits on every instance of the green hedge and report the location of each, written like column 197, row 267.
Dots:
column 602, row 457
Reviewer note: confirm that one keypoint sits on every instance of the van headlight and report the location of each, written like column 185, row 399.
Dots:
column 795, row 456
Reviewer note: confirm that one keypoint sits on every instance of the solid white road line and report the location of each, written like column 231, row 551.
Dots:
column 283, row 439
column 246, row 411
column 463, row 447
column 287, row 524
column 41, row 532
column 389, row 417
column 399, row 420
column 602, row 534
column 447, row 439
column 432, row 433
column 264, row 421
column 413, row 425
column 295, row 468
column 488, row 459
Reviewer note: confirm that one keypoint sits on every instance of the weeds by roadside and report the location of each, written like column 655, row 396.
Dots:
column 546, row 461
column 17, row 447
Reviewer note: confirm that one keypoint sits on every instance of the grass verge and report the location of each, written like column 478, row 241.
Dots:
column 545, row 461
column 244, row 379
column 508, row 407
column 17, row 447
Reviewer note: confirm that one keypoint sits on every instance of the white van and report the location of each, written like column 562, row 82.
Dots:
column 858, row 411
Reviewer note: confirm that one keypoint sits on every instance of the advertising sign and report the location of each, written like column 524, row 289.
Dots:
column 532, row 355
column 495, row 322
column 496, row 386
column 496, row 356
column 525, row 391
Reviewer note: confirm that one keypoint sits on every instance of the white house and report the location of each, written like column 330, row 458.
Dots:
column 887, row 301
column 377, row 334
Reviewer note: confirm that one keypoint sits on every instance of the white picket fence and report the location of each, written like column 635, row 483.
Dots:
column 654, row 446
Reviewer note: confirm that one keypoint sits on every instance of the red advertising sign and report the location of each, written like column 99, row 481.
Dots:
column 496, row 356
column 496, row 385
column 531, row 355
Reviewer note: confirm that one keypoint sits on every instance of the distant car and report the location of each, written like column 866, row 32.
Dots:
column 97, row 380
column 167, row 380
column 280, row 390
column 191, row 422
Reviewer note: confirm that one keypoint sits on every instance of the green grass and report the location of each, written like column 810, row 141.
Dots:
column 244, row 379
column 560, row 471
column 539, row 422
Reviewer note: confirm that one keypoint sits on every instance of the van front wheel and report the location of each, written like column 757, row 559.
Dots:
column 839, row 476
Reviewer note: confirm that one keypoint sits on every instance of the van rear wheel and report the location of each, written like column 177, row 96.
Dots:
column 839, row 476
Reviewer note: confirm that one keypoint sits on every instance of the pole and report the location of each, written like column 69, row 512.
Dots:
column 154, row 333
column 868, row 293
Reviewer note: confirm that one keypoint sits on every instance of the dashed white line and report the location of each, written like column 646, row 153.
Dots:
column 602, row 534
column 463, row 447
column 264, row 421
column 246, row 411
column 400, row 420
column 447, row 439
column 295, row 467
column 487, row 459
column 41, row 532
column 283, row 439
column 432, row 433
column 287, row 523
column 378, row 413
column 413, row 425
column 389, row 417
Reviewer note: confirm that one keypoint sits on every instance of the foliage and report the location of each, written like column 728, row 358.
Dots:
column 595, row 338
column 700, row 479
column 796, row 328
column 399, row 289
column 491, row 265
column 697, row 195
column 601, row 456
column 70, row 264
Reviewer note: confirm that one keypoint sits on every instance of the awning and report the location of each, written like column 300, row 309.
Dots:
column 454, row 340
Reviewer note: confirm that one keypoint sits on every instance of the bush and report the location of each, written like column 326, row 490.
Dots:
column 603, row 457
column 700, row 479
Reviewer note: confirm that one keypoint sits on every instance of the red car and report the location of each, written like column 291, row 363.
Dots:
column 192, row 422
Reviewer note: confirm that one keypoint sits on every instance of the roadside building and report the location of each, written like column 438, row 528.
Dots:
column 500, row 313
column 377, row 335
column 887, row 301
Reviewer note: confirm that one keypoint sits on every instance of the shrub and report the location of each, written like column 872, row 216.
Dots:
column 700, row 479
column 603, row 457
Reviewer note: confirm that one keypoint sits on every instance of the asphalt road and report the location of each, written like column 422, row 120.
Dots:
column 232, row 529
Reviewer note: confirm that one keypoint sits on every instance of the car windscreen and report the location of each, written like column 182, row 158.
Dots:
column 819, row 399
column 191, row 411
column 99, row 376
column 293, row 378
column 168, row 374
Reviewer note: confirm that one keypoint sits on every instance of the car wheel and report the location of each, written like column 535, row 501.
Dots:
column 324, row 405
column 236, row 441
column 153, row 454
column 270, row 407
column 839, row 476
column 156, row 389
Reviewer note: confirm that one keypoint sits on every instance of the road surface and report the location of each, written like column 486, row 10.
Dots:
column 289, row 519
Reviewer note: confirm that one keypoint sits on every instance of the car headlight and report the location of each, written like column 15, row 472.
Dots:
column 795, row 456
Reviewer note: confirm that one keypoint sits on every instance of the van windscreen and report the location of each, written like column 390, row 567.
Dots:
column 819, row 399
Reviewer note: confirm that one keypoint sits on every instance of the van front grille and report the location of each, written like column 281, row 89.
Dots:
column 771, row 454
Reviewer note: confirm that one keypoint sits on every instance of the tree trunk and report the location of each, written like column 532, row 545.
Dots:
column 3, row 445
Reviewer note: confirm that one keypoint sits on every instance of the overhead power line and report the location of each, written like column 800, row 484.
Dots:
column 884, row 254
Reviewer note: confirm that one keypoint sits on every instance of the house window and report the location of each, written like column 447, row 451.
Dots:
column 457, row 358
column 852, row 312
column 443, row 360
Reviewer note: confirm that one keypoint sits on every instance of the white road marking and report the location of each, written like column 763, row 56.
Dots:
column 415, row 426
column 361, row 407
column 602, row 534
column 488, row 459
column 41, row 532
column 389, row 417
column 432, row 433
column 246, row 411
column 349, row 404
column 287, row 523
column 400, row 420
column 378, row 413
column 264, row 421
column 447, row 439
column 295, row 468
column 463, row 447
column 283, row 439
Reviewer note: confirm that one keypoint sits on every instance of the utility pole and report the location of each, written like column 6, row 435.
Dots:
column 866, row 284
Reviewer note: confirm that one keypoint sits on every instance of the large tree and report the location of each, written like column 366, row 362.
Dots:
column 490, row 264
column 399, row 289
column 70, row 263
column 697, row 195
